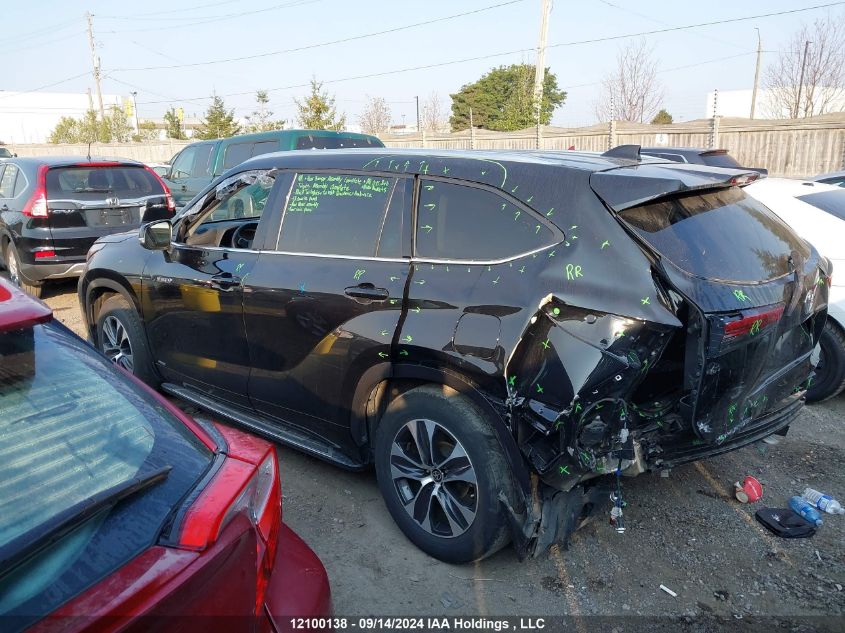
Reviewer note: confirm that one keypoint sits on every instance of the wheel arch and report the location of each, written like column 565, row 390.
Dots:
column 97, row 290
column 382, row 383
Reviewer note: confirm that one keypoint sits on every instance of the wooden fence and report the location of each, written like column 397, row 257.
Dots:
column 793, row 147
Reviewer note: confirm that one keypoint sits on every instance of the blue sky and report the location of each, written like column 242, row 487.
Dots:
column 45, row 41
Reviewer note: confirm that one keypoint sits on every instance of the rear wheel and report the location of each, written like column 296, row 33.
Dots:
column 121, row 339
column 13, row 265
column 830, row 368
column 441, row 471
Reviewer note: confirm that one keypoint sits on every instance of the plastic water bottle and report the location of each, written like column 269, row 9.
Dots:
column 803, row 508
column 823, row 502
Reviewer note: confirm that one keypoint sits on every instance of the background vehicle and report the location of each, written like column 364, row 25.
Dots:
column 697, row 156
column 463, row 319
column 116, row 505
column 5, row 152
column 53, row 208
column 836, row 178
column 198, row 164
column 817, row 212
column 160, row 168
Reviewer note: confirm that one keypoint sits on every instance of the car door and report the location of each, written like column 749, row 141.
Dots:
column 193, row 293
column 190, row 172
column 323, row 305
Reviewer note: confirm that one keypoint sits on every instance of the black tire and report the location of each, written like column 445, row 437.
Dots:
column 830, row 375
column 459, row 420
column 13, row 264
column 121, row 339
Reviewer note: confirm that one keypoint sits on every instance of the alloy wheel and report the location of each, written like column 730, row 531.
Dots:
column 116, row 345
column 434, row 478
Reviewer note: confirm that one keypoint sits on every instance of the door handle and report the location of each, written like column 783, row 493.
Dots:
column 225, row 281
column 184, row 188
column 4, row 208
column 367, row 291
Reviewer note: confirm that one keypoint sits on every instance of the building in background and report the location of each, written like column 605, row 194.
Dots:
column 737, row 103
column 29, row 117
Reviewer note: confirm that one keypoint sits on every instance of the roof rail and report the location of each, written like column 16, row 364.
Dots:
column 631, row 152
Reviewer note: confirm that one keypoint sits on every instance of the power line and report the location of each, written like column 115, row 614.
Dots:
column 55, row 83
column 182, row 10
column 321, row 44
column 17, row 49
column 47, row 30
column 526, row 50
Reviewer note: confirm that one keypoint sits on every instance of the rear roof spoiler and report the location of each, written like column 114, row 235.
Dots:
column 625, row 187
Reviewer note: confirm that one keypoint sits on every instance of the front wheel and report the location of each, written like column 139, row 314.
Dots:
column 830, row 367
column 441, row 472
column 121, row 339
column 13, row 265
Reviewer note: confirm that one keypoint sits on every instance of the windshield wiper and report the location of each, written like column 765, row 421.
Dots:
column 25, row 546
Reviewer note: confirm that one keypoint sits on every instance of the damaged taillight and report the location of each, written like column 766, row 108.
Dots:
column 751, row 324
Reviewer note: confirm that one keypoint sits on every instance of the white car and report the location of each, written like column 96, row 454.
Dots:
column 817, row 212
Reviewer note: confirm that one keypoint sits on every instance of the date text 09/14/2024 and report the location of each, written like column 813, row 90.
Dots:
column 419, row 624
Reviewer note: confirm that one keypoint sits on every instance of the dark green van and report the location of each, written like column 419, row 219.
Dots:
column 199, row 163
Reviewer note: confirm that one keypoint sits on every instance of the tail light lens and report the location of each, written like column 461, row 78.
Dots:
column 36, row 206
column 754, row 324
column 44, row 253
column 171, row 204
column 240, row 488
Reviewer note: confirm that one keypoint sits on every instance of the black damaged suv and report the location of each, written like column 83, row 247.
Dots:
column 462, row 320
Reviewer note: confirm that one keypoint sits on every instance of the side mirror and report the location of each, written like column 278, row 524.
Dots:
column 156, row 236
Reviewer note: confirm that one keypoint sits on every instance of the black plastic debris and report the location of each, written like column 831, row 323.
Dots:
column 783, row 522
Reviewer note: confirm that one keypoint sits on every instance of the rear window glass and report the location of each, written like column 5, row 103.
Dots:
column 115, row 181
column 719, row 160
column 335, row 142
column 236, row 154
column 832, row 202
column 73, row 427
column 7, row 181
column 720, row 234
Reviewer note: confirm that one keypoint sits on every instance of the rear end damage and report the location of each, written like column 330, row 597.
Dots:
column 592, row 393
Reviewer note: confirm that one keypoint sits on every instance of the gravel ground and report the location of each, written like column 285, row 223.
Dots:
column 685, row 532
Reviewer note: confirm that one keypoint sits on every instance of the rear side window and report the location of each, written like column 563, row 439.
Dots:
column 335, row 142
column 123, row 181
column 335, row 214
column 265, row 147
column 7, row 181
column 193, row 162
column 720, row 160
column 469, row 223
column 833, row 202
column 721, row 234
column 236, row 154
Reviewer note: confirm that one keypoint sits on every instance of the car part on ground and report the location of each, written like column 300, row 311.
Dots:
column 119, row 510
column 602, row 315
column 816, row 211
column 52, row 209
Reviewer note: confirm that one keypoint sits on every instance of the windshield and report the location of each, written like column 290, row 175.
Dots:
column 832, row 202
column 72, row 428
column 718, row 234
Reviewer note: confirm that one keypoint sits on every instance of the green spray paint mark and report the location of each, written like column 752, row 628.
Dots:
column 545, row 344
column 619, row 334
column 741, row 296
column 430, row 205
column 384, row 333
column 382, row 355
column 403, row 352
column 820, row 281
column 483, row 172
column 445, row 170
column 394, row 278
column 407, row 338
column 393, row 302
column 645, row 301
column 556, row 311
column 512, row 380
column 578, row 407
column 429, row 187
column 417, row 310
column 549, row 212
column 530, row 198
column 421, row 282
column 238, row 267
column 427, row 228
column 537, row 230
column 358, row 274
column 514, row 189
column 496, row 280
column 564, row 470
column 407, row 164
column 604, row 244
column 552, row 254
column 423, row 167
column 731, row 411
column 573, row 272
column 755, row 327
column 539, row 388
column 522, row 270
column 516, row 215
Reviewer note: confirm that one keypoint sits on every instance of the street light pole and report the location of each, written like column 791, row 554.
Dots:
column 756, row 72
column 135, row 112
column 801, row 81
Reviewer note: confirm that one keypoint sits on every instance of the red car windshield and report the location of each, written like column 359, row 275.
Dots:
column 73, row 428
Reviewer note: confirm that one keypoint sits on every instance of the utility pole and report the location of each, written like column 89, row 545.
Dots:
column 540, row 68
column 756, row 72
column 135, row 111
column 801, row 81
column 96, row 63
column 419, row 127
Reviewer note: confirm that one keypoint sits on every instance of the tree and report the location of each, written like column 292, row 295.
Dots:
column 117, row 127
column 317, row 111
column 173, row 124
column 89, row 129
column 66, row 131
column 662, row 118
column 503, row 100
column 147, row 131
column 432, row 116
column 824, row 74
column 219, row 122
column 632, row 89
column 261, row 120
column 375, row 117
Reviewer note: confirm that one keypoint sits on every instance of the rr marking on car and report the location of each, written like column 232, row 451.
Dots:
column 645, row 301
column 564, row 470
column 605, row 243
column 407, row 164
column 573, row 271
column 358, row 274
column 755, row 327
column 427, row 228
column 741, row 296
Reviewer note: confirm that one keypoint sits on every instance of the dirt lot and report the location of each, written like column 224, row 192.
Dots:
column 685, row 532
